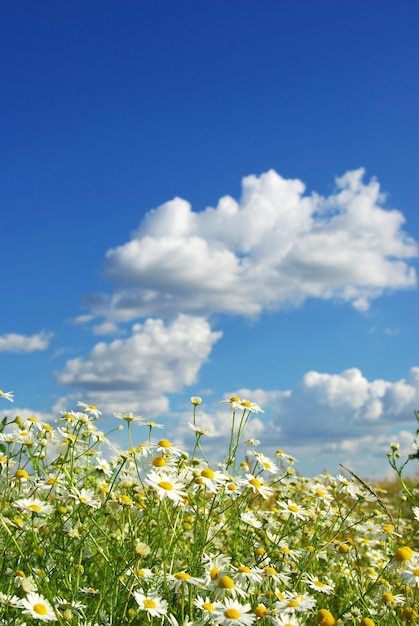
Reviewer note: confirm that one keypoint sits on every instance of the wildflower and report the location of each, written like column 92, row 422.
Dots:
column 293, row 509
column 258, row 486
column 325, row 618
column 415, row 511
column 266, row 463
column 403, row 554
column 142, row 549
column 200, row 431
column 317, row 585
column 129, row 417
column 248, row 517
column 90, row 409
column 411, row 576
column 85, row 496
column 182, row 580
column 151, row 603
column 232, row 613
column 252, row 407
column 293, row 602
column 165, row 446
column 38, row 607
column 34, row 505
column 206, row 605
column 366, row 621
column 211, row 479
column 196, row 400
column 166, row 486
column 103, row 466
column 244, row 575
column 8, row 395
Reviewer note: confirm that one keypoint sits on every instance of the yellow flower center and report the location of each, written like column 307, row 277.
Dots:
column 164, row 443
column 270, row 571
column 207, row 606
column 387, row 597
column 255, row 482
column 149, row 604
column 159, row 461
column 35, row 507
column 226, row 583
column 293, row 508
column 403, row 554
column 40, row 609
column 344, row 548
column 293, row 603
column 126, row 500
column 21, row 473
column 244, row 569
column 388, row 528
column 246, row 404
column 83, row 499
column 182, row 576
column 325, row 618
column 232, row 613
column 234, row 399
column 92, row 407
column 231, row 487
column 261, row 611
column 319, row 584
column 208, row 473
column 163, row 484
column 214, row 573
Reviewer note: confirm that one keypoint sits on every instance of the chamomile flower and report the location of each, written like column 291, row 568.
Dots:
column 410, row 576
column 34, row 505
column 317, row 585
column 210, row 479
column 90, row 409
column 181, row 580
column 258, row 486
column 38, row 607
column 130, row 417
column 294, row 509
column 7, row 395
column 251, row 407
column 85, row 496
column 200, row 431
column 166, row 486
column 232, row 613
column 151, row 603
column 294, row 602
column 164, row 446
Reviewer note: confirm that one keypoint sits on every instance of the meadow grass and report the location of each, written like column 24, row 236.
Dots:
column 155, row 535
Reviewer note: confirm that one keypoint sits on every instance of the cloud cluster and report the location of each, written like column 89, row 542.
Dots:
column 273, row 249
column 330, row 408
column 13, row 342
column 325, row 420
column 136, row 373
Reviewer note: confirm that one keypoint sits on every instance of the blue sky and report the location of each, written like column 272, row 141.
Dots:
column 208, row 198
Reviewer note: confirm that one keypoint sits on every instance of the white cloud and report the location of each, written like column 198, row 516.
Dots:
column 13, row 342
column 136, row 373
column 274, row 248
column 328, row 409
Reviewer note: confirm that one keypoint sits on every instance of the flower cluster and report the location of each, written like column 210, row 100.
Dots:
column 156, row 535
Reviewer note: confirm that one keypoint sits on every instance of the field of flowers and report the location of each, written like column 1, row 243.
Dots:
column 94, row 535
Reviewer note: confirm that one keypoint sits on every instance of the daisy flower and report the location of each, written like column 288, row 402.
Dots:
column 164, row 446
column 294, row 509
column 90, row 409
column 130, row 417
column 232, row 613
column 8, row 395
column 151, row 603
column 211, row 479
column 85, row 496
column 181, row 580
column 317, row 585
column 200, row 431
column 166, row 486
column 293, row 602
column 34, row 505
column 258, row 486
column 411, row 576
column 252, row 407
column 38, row 607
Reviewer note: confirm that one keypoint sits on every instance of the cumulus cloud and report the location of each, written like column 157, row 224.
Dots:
column 274, row 248
column 13, row 342
column 328, row 409
column 136, row 373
